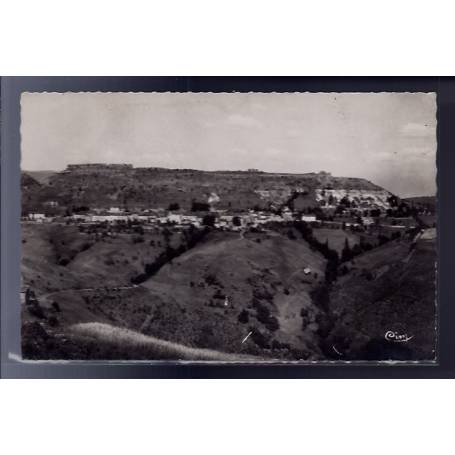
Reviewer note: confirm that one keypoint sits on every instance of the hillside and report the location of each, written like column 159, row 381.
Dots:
column 56, row 257
column 329, row 266
column 261, row 276
column 211, row 296
column 391, row 288
column 427, row 202
column 121, row 185
column 262, row 294
column 41, row 177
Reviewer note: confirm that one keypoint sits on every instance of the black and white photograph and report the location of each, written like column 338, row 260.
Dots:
column 229, row 227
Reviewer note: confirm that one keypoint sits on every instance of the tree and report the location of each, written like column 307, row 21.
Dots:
column 174, row 206
column 244, row 317
column 273, row 324
column 356, row 250
column 209, row 220
column 346, row 254
column 331, row 271
column 167, row 234
column 291, row 235
column 200, row 206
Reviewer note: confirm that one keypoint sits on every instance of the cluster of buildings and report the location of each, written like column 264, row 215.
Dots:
column 221, row 219
column 355, row 209
column 361, row 200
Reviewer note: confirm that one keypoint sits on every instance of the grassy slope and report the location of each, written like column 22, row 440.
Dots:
column 90, row 262
column 168, row 306
column 387, row 289
column 122, row 343
column 336, row 237
column 270, row 272
column 39, row 266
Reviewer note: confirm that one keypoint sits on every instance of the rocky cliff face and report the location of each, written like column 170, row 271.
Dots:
column 103, row 186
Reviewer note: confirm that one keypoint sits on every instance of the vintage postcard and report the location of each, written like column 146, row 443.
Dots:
column 229, row 227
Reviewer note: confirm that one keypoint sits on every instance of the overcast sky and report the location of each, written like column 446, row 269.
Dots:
column 388, row 138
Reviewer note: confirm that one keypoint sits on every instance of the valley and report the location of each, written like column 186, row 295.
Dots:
column 142, row 264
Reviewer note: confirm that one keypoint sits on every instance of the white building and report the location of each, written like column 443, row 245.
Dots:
column 80, row 217
column 51, row 203
column 40, row 217
column 174, row 218
column 309, row 218
column 108, row 218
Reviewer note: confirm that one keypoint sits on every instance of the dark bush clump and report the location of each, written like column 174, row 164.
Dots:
column 37, row 311
column 56, row 307
column 53, row 321
column 212, row 280
column 262, row 340
column 63, row 261
column 174, row 206
column 273, row 324
column 262, row 312
column 244, row 317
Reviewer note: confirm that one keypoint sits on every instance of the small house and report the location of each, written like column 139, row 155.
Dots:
column 40, row 217
column 309, row 218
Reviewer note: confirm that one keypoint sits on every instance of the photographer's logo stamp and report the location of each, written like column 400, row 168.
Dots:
column 397, row 337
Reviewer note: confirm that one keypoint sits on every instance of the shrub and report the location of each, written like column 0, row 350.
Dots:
column 56, row 307
column 219, row 295
column 174, row 206
column 262, row 312
column 291, row 235
column 209, row 220
column 36, row 310
column 276, row 344
column 273, row 324
column 261, row 339
column 262, row 294
column 63, row 261
column 200, row 207
column 321, row 297
column 212, row 280
column 244, row 317
column 53, row 321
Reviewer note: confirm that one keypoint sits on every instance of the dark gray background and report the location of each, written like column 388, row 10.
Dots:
column 12, row 87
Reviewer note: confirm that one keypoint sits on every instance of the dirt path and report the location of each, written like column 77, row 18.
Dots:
column 44, row 297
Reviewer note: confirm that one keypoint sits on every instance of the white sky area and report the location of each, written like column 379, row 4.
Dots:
column 388, row 138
